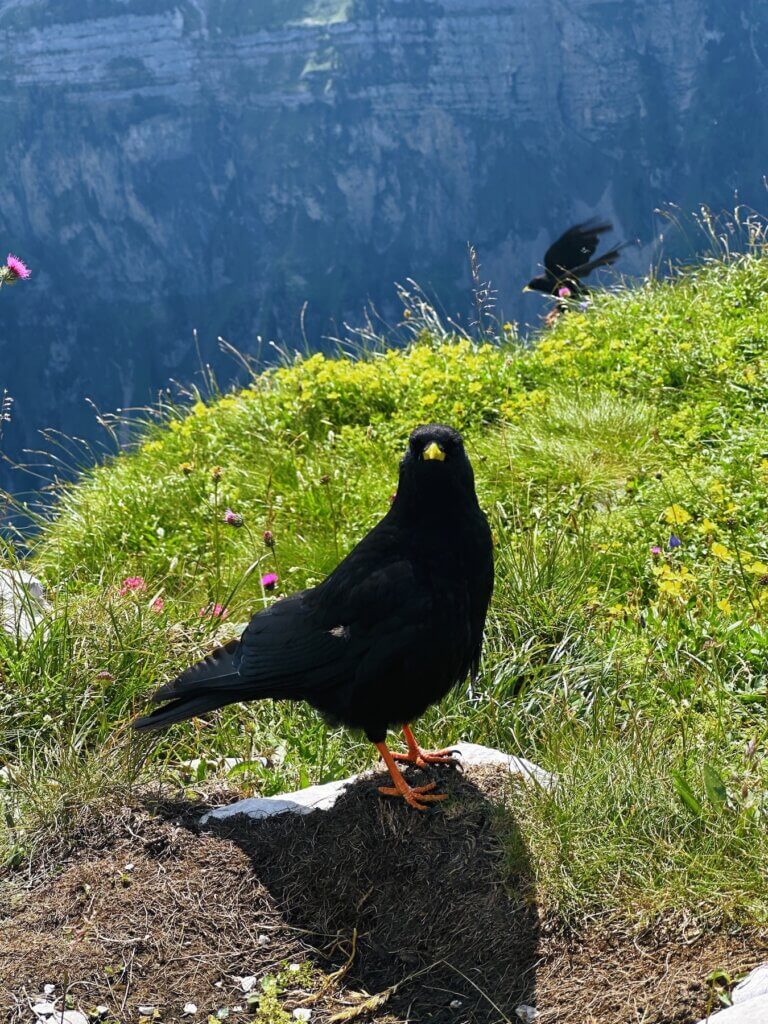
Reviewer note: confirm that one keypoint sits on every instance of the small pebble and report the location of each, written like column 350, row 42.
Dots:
column 302, row 1014
column 49, row 989
column 455, row 1004
column 247, row 983
column 146, row 1011
column 263, row 940
column 527, row 1014
column 294, row 967
column 102, row 1010
column 44, row 1009
column 190, row 1009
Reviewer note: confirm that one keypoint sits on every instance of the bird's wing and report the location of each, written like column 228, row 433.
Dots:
column 372, row 615
column 287, row 649
column 575, row 247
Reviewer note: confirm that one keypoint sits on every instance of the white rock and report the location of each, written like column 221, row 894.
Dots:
column 302, row 1014
column 190, row 1009
column 102, row 1010
column 755, row 1011
column 44, row 1010
column 322, row 798
column 48, row 989
column 755, row 984
column 145, row 1011
column 247, row 983
column 263, row 940
column 71, row 1017
column 527, row 1014
column 22, row 602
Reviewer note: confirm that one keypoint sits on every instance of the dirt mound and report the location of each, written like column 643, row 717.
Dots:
column 434, row 914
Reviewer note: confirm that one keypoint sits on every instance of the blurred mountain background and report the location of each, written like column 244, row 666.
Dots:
column 171, row 165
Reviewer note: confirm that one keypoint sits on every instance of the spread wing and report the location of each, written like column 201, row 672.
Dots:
column 575, row 247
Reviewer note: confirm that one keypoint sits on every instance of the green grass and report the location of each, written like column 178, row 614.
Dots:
column 638, row 677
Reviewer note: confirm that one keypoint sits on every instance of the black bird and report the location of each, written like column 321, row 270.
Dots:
column 569, row 259
column 390, row 631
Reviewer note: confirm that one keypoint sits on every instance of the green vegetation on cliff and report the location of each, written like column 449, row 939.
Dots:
column 622, row 464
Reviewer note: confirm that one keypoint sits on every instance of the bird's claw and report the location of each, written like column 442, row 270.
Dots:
column 418, row 797
column 424, row 758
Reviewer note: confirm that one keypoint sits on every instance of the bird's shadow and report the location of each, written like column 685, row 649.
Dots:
column 440, row 905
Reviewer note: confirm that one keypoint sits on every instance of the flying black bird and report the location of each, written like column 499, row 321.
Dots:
column 569, row 259
column 390, row 631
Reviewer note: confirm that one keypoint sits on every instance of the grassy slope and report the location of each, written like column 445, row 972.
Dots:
column 639, row 678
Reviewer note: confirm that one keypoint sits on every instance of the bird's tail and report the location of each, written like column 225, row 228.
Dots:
column 605, row 260
column 211, row 683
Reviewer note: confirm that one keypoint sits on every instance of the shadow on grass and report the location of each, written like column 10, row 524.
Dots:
column 440, row 905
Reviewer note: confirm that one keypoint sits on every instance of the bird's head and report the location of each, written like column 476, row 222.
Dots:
column 538, row 284
column 435, row 465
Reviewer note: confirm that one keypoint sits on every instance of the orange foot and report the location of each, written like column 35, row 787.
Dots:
column 418, row 797
column 422, row 758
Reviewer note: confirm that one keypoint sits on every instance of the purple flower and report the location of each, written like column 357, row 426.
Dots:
column 269, row 540
column 674, row 542
column 17, row 269
column 213, row 611
column 583, row 306
column 563, row 293
column 656, row 551
column 131, row 584
column 268, row 580
column 233, row 518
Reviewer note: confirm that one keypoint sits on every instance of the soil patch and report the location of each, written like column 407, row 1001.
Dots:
column 433, row 914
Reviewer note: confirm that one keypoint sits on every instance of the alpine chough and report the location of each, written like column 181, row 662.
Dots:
column 390, row 631
column 569, row 259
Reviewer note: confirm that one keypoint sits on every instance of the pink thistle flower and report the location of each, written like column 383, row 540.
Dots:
column 105, row 675
column 269, row 539
column 269, row 580
column 132, row 584
column 563, row 293
column 18, row 269
column 213, row 611
column 157, row 605
column 233, row 518
column 656, row 551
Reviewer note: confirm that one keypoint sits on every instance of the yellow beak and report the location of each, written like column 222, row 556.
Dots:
column 433, row 451
column 527, row 289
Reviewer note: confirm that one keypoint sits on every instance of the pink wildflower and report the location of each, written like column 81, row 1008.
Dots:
column 268, row 580
column 18, row 269
column 105, row 675
column 131, row 584
column 656, row 551
column 563, row 292
column 269, row 539
column 157, row 605
column 233, row 518
column 214, row 611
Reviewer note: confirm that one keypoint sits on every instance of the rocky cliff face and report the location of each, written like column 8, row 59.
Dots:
column 214, row 164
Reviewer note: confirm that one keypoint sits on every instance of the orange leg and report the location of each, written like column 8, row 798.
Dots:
column 418, row 797
column 421, row 758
